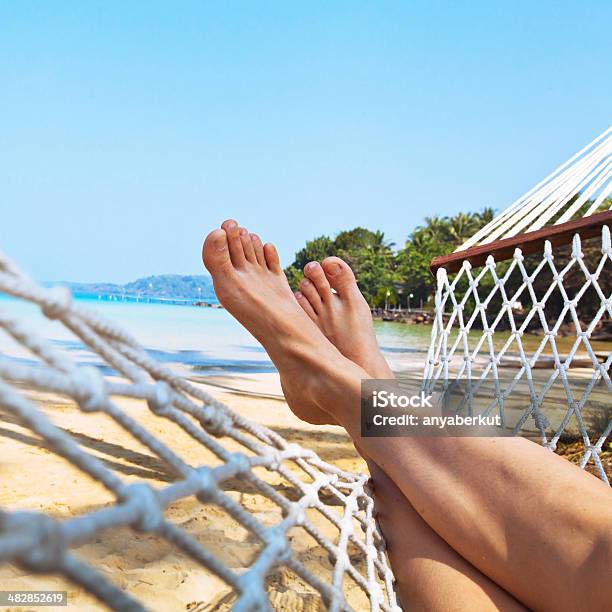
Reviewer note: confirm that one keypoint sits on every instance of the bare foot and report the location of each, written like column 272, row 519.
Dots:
column 251, row 285
column 344, row 315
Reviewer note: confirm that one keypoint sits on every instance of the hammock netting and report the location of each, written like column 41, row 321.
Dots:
column 527, row 336
column 515, row 339
column 359, row 576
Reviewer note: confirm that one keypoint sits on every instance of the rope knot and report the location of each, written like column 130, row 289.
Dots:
column 46, row 553
column 541, row 420
column 241, row 463
column 144, row 499
column 217, row 422
column 58, row 301
column 90, row 390
column 206, row 483
column 160, row 402
column 298, row 514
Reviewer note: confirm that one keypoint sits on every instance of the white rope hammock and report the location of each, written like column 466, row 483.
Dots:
column 501, row 314
column 585, row 177
column 42, row 544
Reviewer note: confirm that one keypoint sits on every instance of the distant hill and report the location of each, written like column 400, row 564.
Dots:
column 160, row 286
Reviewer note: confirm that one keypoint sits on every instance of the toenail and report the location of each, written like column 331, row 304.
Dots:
column 231, row 225
column 254, row 237
column 333, row 269
column 220, row 241
column 242, row 231
column 305, row 282
column 312, row 265
column 298, row 295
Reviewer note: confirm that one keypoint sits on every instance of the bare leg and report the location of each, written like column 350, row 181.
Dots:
column 532, row 522
column 429, row 574
column 250, row 284
column 503, row 485
column 504, row 528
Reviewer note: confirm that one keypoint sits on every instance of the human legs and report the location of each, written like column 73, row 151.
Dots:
column 248, row 283
column 503, row 530
column 429, row 574
column 479, row 473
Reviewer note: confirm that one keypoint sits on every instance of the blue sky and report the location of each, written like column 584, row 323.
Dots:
column 129, row 130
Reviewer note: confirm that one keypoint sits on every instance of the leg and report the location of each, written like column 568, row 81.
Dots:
column 504, row 530
column 430, row 575
column 529, row 520
column 250, row 284
column 452, row 462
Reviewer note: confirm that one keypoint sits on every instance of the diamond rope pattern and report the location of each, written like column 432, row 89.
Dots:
column 512, row 332
column 43, row 544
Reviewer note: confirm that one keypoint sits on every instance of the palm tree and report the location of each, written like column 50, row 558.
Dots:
column 461, row 227
column 436, row 227
column 379, row 244
column 486, row 215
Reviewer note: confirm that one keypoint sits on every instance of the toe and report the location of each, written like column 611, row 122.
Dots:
column 215, row 252
column 306, row 306
column 258, row 248
column 247, row 245
column 272, row 258
column 340, row 276
column 314, row 272
column 234, row 243
column 309, row 291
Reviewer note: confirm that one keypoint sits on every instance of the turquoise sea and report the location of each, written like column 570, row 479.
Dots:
column 207, row 339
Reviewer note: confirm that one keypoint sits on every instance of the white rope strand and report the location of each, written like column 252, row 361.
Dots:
column 42, row 544
column 586, row 174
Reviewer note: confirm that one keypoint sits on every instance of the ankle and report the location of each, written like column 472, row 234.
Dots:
column 337, row 391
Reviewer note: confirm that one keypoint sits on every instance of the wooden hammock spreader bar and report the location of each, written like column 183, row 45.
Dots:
column 529, row 242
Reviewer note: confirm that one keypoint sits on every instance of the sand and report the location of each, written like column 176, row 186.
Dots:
column 160, row 576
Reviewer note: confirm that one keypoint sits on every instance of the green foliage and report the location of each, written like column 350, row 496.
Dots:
column 385, row 276
column 388, row 277
column 368, row 253
column 438, row 236
column 315, row 250
column 294, row 276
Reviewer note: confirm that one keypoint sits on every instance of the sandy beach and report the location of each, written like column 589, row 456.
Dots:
column 212, row 351
column 161, row 577
column 149, row 568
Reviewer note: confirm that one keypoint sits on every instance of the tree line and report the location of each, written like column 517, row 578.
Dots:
column 387, row 275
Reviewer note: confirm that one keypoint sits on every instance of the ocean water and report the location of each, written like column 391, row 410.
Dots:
column 206, row 340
